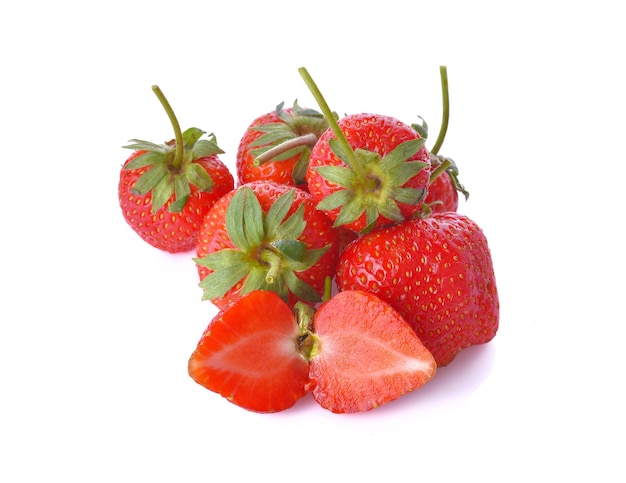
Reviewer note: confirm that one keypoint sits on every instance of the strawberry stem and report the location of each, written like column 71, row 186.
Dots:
column 305, row 140
column 332, row 122
column 446, row 110
column 440, row 169
column 178, row 157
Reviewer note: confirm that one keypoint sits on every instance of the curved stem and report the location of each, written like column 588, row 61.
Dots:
column 178, row 158
column 332, row 122
column 446, row 110
column 305, row 140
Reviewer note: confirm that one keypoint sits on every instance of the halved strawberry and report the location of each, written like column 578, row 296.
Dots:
column 367, row 354
column 356, row 353
column 249, row 354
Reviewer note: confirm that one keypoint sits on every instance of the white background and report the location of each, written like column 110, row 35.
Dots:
column 96, row 327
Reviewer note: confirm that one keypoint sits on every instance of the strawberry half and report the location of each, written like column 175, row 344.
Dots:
column 249, row 354
column 367, row 354
column 356, row 353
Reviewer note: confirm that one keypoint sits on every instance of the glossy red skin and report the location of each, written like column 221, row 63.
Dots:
column 249, row 355
column 442, row 189
column 436, row 272
column 279, row 172
column 368, row 355
column 317, row 234
column 171, row 232
column 375, row 133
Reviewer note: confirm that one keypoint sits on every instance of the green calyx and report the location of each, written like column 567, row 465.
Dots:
column 268, row 251
column 371, row 183
column 172, row 165
column 376, row 187
column 295, row 135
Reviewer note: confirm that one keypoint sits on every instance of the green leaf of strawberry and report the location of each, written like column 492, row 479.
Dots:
column 274, row 247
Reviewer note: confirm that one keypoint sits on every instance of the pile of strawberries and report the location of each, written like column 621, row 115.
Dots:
column 338, row 261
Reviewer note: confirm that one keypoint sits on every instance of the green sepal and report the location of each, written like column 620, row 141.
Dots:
column 218, row 283
column 150, row 179
column 149, row 158
column 421, row 128
column 162, row 192
column 301, row 289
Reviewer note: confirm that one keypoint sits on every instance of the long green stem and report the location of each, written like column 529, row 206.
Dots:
column 178, row 158
column 446, row 110
column 332, row 122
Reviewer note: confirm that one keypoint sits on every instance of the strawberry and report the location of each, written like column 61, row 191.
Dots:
column 367, row 170
column 367, row 355
column 265, row 235
column 355, row 353
column 249, row 354
column 276, row 146
column 165, row 190
column 437, row 272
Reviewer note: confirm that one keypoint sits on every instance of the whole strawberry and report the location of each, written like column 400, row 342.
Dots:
column 165, row 190
column 277, row 145
column 266, row 236
column 367, row 170
column 437, row 272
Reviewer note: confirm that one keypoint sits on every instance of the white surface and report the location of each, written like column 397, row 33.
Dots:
column 96, row 327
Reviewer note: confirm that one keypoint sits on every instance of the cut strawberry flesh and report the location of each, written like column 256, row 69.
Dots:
column 249, row 355
column 367, row 355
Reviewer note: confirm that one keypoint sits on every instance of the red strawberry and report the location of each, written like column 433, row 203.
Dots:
column 268, row 236
column 249, row 354
column 367, row 170
column 356, row 355
column 437, row 272
column 367, row 354
column 165, row 190
column 276, row 146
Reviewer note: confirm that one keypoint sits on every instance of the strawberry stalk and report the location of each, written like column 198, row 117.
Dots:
column 178, row 134
column 446, row 110
column 332, row 123
column 305, row 140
